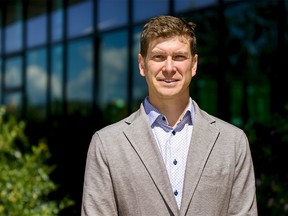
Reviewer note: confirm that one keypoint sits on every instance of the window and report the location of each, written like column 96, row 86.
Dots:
column 250, row 45
column 80, row 18
column 13, row 73
column 237, row 100
column 13, row 27
column 113, row 75
column 259, row 102
column 57, row 20
column 184, row 5
column 80, row 76
column 144, row 9
column 56, row 80
column 13, row 83
column 207, row 93
column 37, row 23
column 0, row 32
column 36, row 78
column 112, row 13
column 139, row 89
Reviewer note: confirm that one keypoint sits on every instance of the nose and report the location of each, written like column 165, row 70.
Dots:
column 169, row 65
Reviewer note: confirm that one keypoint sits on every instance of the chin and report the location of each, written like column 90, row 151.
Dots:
column 169, row 96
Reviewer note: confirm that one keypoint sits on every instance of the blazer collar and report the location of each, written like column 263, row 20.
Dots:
column 140, row 136
column 203, row 139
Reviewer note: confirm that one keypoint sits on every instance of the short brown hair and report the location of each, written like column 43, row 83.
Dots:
column 166, row 27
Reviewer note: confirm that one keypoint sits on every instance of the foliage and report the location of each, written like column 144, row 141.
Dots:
column 269, row 145
column 24, row 176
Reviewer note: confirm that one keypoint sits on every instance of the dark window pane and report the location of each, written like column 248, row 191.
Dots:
column 113, row 75
column 139, row 89
column 251, row 42
column 13, row 34
column 236, row 105
column 80, row 18
column 112, row 13
column 36, row 84
column 36, row 23
column 0, row 33
column 208, row 94
column 13, row 26
column 56, row 79
column 13, row 72
column 57, row 20
column 80, row 76
column 259, row 101
column 144, row 9
column 184, row 5
column 204, row 87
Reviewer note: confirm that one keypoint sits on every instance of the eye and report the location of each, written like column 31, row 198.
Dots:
column 179, row 58
column 158, row 57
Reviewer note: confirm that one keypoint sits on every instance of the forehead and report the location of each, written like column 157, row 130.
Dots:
column 177, row 42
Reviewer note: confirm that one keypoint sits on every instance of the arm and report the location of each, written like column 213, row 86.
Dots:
column 98, row 196
column 243, row 195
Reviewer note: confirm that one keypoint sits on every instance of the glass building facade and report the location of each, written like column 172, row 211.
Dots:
column 69, row 67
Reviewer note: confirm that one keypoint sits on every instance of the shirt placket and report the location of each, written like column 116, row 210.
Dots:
column 175, row 166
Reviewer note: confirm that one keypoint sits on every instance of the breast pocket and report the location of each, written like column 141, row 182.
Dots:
column 213, row 190
column 216, row 175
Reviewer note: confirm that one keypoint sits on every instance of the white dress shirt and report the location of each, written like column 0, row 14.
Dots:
column 173, row 143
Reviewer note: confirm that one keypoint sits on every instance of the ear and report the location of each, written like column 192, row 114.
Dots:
column 194, row 66
column 141, row 63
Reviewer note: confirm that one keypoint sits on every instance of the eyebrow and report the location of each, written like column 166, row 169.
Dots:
column 163, row 52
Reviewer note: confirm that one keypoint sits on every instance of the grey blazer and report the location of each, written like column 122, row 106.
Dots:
column 126, row 176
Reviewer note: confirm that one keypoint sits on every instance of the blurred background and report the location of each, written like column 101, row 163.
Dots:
column 69, row 67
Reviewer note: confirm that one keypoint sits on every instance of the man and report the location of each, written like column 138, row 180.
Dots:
column 169, row 157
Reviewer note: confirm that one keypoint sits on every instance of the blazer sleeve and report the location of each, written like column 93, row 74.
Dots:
column 243, row 196
column 98, row 199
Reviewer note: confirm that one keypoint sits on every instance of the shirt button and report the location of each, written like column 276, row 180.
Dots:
column 175, row 192
column 175, row 162
column 173, row 132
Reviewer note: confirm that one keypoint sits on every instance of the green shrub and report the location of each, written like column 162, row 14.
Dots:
column 24, row 173
column 269, row 146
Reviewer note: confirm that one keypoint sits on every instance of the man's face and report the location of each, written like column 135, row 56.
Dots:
column 168, row 68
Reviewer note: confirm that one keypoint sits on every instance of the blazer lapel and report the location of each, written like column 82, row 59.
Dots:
column 142, row 139
column 202, row 142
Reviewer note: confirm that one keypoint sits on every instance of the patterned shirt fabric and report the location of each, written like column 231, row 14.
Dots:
column 173, row 143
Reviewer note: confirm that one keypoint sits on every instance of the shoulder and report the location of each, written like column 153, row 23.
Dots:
column 119, row 126
column 224, row 125
column 228, row 137
column 202, row 117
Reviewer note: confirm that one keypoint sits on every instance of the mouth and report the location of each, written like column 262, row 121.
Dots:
column 168, row 80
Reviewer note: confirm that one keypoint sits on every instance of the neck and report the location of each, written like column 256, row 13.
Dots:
column 172, row 109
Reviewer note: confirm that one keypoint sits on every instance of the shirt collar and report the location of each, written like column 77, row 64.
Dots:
column 153, row 113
